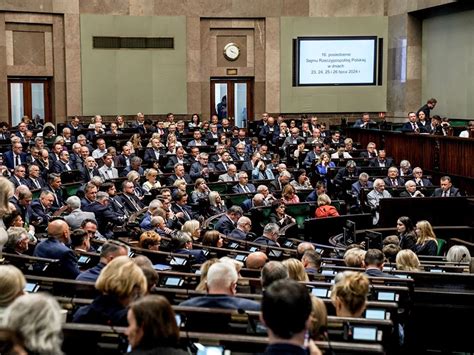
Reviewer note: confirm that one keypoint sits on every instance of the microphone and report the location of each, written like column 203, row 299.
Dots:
column 461, row 260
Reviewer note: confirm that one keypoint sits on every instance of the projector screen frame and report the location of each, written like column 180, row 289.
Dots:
column 296, row 59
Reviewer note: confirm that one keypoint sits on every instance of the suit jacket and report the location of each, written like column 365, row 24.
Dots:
column 172, row 178
column 59, row 200
column 196, row 170
column 198, row 255
column 267, row 136
column 59, row 166
column 388, row 181
column 121, row 161
column 17, row 181
column 376, row 163
column 107, row 174
column 39, row 213
column 87, row 175
column 226, row 177
column 129, row 168
column 343, row 173
column 125, row 200
column 361, row 124
column 172, row 161
column 222, row 301
column 150, row 155
column 377, row 273
column 453, row 192
column 188, row 214
column 238, row 234
column 426, row 182
column 247, row 166
column 54, row 249
column 243, row 158
column 75, row 218
column 366, row 154
column 105, row 217
column 265, row 241
column 239, row 190
column 9, row 160
column 407, row 127
column 31, row 185
column 219, row 166
column 356, row 187
column 224, row 225
column 25, row 212
column 309, row 158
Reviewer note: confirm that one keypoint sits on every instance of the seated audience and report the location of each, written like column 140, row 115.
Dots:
column 349, row 294
column 311, row 261
column 17, row 242
column 374, row 197
column 303, row 247
column 446, row 188
column 216, row 205
column 324, row 207
column 244, row 226
column 289, row 195
column 407, row 260
column 373, row 262
column 203, row 273
column 183, row 244
column 119, row 283
column 152, row 327
column 226, row 224
column 301, row 182
column 426, row 242
column 221, row 289
column 286, row 312
column 270, row 235
column 37, row 317
column 410, row 190
column 319, row 319
column 201, row 191
column 354, row 257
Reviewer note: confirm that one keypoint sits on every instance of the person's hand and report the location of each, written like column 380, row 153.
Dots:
column 313, row 348
column 179, row 214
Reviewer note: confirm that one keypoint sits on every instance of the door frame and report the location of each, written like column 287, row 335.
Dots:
column 27, row 99
column 230, row 93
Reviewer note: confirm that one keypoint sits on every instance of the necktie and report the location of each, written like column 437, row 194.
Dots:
column 246, row 189
column 444, row 194
column 134, row 204
column 17, row 160
column 110, row 173
column 185, row 213
column 225, row 166
column 37, row 183
column 67, row 167
column 394, row 182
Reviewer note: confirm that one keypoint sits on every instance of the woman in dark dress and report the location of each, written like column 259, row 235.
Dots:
column 278, row 214
column 406, row 233
column 426, row 243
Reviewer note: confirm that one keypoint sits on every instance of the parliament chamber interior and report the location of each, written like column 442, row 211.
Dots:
column 236, row 177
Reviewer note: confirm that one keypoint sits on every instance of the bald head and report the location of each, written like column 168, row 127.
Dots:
column 303, row 247
column 59, row 229
column 256, row 260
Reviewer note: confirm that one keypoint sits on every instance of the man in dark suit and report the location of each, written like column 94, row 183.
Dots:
column 179, row 158
column 393, row 179
column 128, row 199
column 18, row 177
column 179, row 173
column 22, row 201
column 14, row 157
column 411, row 126
column 282, row 180
column 54, row 185
column 221, row 289
column 201, row 168
column 419, row 179
column 182, row 212
column 243, row 186
column 350, row 171
column 244, row 226
column 256, row 201
column 104, row 215
column 240, row 154
column 124, row 158
column 241, row 138
column 270, row 235
column 55, row 248
column 361, row 184
column 41, row 209
column 135, row 164
column 183, row 244
column 269, row 133
column 55, row 152
column 364, row 122
column 226, row 224
column 63, row 163
column 371, row 151
column 410, row 190
column 155, row 152
column 447, row 189
column 374, row 261
column 381, row 161
column 223, row 163
column 75, row 125
column 312, row 156
column 90, row 169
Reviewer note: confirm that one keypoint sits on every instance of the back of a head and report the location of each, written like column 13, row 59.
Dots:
column 220, row 277
column 374, row 257
column 354, row 257
column 121, row 278
column 303, row 247
column 351, row 289
column 458, row 254
column 37, row 318
column 12, row 283
column 312, row 257
column 256, row 260
column 156, row 318
column 296, row 269
column 286, row 306
column 273, row 271
column 319, row 316
column 390, row 252
column 112, row 248
column 407, row 260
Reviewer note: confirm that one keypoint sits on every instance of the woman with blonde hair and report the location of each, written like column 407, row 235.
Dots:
column 6, row 191
column 151, row 181
column 324, row 207
column 349, row 294
column 193, row 228
column 296, row 269
column 180, row 184
column 203, row 273
column 120, row 282
column 354, row 257
column 407, row 260
column 426, row 242
column 201, row 191
column 216, row 205
column 150, row 240
column 12, row 283
column 319, row 318
column 134, row 177
column 136, row 142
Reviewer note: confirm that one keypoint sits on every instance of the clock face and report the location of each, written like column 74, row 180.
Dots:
column 231, row 51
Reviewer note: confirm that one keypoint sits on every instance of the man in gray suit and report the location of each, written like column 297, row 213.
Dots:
column 107, row 171
column 76, row 216
column 231, row 174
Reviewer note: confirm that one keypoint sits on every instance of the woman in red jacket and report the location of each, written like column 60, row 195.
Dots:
column 324, row 207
